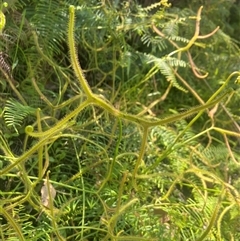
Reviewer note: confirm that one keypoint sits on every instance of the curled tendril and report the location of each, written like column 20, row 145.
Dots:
column 5, row 4
column 29, row 129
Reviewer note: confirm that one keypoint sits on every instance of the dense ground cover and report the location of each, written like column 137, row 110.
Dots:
column 141, row 145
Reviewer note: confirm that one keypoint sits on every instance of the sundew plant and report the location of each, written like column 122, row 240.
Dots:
column 118, row 122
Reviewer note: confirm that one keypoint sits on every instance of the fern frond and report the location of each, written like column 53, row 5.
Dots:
column 163, row 4
column 215, row 154
column 179, row 39
column 15, row 113
column 231, row 43
column 171, row 28
column 155, row 41
column 52, row 34
column 152, row 7
column 165, row 68
column 175, row 62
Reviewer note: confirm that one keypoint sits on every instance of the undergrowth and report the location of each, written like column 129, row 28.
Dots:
column 118, row 151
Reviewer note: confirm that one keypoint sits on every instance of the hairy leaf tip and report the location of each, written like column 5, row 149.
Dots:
column 237, row 81
column 71, row 9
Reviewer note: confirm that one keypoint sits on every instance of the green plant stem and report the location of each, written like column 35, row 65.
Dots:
column 73, row 54
column 223, row 87
column 27, row 154
column 219, row 221
column 111, row 165
column 141, row 154
column 13, row 223
column 213, row 218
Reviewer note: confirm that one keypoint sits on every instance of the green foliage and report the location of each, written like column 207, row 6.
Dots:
column 106, row 127
column 15, row 113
